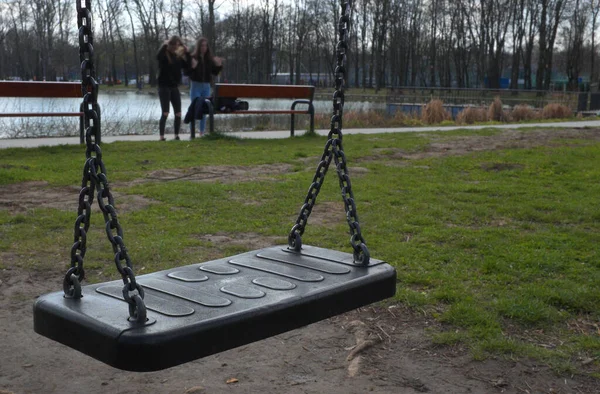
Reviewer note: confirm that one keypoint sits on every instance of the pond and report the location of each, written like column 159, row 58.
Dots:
column 138, row 113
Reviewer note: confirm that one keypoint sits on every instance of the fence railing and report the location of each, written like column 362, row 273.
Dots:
column 481, row 97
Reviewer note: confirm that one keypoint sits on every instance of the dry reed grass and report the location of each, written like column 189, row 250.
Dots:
column 495, row 111
column 434, row 112
column 556, row 111
column 522, row 112
column 471, row 115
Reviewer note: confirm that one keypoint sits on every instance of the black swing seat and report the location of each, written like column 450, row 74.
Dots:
column 202, row 309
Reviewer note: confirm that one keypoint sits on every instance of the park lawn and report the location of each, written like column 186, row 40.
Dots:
column 500, row 246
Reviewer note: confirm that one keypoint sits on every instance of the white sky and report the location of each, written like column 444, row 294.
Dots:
column 225, row 6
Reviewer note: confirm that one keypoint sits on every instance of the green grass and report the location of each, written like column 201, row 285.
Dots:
column 496, row 245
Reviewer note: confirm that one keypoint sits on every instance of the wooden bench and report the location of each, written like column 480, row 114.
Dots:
column 44, row 90
column 301, row 94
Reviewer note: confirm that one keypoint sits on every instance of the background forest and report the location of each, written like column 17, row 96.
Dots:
column 518, row 44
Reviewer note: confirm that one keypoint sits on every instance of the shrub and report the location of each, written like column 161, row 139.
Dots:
column 402, row 118
column 495, row 111
column 434, row 112
column 471, row 115
column 522, row 112
column 556, row 111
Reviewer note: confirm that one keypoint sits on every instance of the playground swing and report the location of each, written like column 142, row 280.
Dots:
column 185, row 313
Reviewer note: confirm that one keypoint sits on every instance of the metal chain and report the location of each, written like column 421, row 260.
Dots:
column 334, row 151
column 95, row 180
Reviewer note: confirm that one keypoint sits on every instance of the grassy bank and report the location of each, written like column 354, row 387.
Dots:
column 494, row 237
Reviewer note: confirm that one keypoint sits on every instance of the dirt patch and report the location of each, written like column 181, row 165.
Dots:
column 244, row 239
column 380, row 349
column 328, row 214
column 24, row 196
column 441, row 146
column 222, row 174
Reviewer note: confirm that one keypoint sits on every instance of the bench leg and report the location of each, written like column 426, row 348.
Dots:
column 211, row 116
column 292, row 126
column 311, row 111
column 81, row 126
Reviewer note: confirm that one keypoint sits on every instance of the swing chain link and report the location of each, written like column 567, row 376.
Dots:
column 95, row 180
column 334, row 151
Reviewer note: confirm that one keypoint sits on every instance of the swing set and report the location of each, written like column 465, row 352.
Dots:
column 186, row 313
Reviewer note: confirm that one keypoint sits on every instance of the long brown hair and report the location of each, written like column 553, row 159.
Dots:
column 196, row 54
column 171, row 45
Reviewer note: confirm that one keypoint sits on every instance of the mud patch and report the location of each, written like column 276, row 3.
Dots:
column 442, row 146
column 25, row 196
column 252, row 240
column 328, row 214
column 389, row 350
column 221, row 174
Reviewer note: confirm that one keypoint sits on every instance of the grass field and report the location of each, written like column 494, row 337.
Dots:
column 493, row 233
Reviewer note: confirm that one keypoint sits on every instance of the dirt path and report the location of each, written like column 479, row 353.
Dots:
column 380, row 349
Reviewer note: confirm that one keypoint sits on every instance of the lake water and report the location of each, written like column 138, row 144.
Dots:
column 138, row 113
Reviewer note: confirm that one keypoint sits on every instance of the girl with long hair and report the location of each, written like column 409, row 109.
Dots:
column 173, row 57
column 203, row 66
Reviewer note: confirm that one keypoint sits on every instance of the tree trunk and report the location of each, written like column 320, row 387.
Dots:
column 542, row 61
column 135, row 49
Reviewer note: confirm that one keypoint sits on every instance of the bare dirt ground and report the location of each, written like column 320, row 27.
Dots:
column 384, row 348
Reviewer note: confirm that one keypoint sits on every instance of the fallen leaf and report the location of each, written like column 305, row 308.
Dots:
column 588, row 361
column 354, row 366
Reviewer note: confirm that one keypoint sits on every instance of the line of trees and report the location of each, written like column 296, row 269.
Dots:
column 462, row 43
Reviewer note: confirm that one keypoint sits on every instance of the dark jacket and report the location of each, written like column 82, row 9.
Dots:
column 169, row 72
column 204, row 71
column 196, row 110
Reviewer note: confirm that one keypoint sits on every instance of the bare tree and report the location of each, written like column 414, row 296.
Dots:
column 3, row 52
column 380, row 31
column 550, row 18
column 532, row 11
column 460, row 44
column 44, row 20
column 365, row 4
column 435, row 9
column 268, row 13
column 574, row 37
column 210, row 28
column 595, row 14
column 138, row 79
column 415, row 41
column 500, row 13
column 147, row 13
column 518, row 35
column 116, row 10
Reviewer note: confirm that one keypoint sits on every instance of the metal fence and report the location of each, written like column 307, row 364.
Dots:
column 481, row 97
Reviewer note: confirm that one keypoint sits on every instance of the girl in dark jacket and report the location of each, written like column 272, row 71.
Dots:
column 172, row 57
column 203, row 66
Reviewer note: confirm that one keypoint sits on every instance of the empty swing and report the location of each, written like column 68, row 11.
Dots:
column 185, row 313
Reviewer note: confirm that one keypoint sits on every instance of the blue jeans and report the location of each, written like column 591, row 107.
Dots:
column 200, row 89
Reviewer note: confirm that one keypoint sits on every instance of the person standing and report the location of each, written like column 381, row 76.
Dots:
column 173, row 57
column 203, row 66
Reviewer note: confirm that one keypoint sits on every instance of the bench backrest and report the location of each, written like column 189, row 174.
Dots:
column 39, row 89
column 264, row 91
